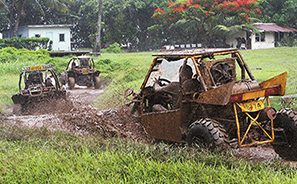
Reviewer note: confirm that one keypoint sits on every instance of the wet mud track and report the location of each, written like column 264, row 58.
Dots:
column 84, row 119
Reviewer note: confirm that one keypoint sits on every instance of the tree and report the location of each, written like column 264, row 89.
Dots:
column 281, row 12
column 124, row 22
column 127, row 22
column 208, row 16
column 18, row 8
column 98, row 34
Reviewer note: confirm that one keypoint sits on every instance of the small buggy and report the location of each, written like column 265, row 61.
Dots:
column 39, row 90
column 81, row 71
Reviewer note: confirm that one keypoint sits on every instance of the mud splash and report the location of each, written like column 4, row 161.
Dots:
column 84, row 119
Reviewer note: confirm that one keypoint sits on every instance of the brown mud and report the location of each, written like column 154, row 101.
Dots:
column 83, row 119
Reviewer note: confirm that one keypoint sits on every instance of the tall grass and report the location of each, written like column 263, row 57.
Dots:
column 41, row 156
column 128, row 70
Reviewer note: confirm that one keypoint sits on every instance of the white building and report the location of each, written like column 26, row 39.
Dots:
column 269, row 35
column 59, row 34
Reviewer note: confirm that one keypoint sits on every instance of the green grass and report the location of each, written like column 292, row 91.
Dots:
column 273, row 62
column 41, row 156
column 128, row 70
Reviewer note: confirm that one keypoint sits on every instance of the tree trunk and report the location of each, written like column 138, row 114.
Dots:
column 16, row 24
column 18, row 18
column 98, row 35
column 11, row 15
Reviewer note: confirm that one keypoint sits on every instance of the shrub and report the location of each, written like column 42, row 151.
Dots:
column 27, row 43
column 114, row 48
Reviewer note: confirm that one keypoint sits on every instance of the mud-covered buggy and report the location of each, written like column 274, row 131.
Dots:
column 40, row 92
column 196, row 96
column 81, row 71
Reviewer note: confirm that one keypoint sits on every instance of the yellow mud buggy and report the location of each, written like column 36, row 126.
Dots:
column 40, row 92
column 210, row 97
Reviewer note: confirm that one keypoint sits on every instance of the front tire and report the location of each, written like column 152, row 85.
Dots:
column 97, row 82
column 71, row 82
column 208, row 133
column 285, row 143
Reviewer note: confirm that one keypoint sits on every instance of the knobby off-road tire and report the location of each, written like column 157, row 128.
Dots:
column 17, row 109
column 208, row 133
column 71, row 82
column 97, row 82
column 286, row 121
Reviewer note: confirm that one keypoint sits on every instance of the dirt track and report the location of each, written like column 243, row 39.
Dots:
column 85, row 119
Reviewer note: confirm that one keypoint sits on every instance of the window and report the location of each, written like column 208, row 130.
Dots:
column 281, row 35
column 37, row 35
column 260, row 37
column 257, row 37
column 62, row 37
column 263, row 37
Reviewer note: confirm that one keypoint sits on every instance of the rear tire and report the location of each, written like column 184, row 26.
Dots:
column 285, row 143
column 97, row 83
column 71, row 82
column 208, row 133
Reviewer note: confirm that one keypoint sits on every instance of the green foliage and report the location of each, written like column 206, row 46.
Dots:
column 114, row 48
column 26, row 43
column 205, row 16
column 122, row 22
column 11, row 62
column 42, row 156
column 281, row 12
column 287, row 42
column 39, row 155
column 128, row 70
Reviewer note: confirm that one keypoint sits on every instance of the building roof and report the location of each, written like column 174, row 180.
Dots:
column 51, row 25
column 272, row 27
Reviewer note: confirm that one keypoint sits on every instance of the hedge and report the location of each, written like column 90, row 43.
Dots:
column 26, row 43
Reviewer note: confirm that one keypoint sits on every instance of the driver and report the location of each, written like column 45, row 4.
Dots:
column 84, row 62
column 173, row 88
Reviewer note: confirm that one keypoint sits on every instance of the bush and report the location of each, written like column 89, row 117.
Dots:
column 27, row 43
column 114, row 48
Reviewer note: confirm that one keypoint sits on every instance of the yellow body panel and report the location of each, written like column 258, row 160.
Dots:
column 278, row 80
column 253, row 94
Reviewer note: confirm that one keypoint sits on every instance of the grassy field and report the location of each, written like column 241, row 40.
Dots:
column 127, row 70
column 41, row 156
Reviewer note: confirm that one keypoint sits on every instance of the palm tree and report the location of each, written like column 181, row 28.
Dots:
column 19, row 7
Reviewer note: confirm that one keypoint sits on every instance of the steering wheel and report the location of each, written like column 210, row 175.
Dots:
column 161, row 80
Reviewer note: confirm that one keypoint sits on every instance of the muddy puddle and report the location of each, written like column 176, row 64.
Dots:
column 84, row 119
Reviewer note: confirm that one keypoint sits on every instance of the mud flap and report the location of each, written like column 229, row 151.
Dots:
column 163, row 125
column 18, row 99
